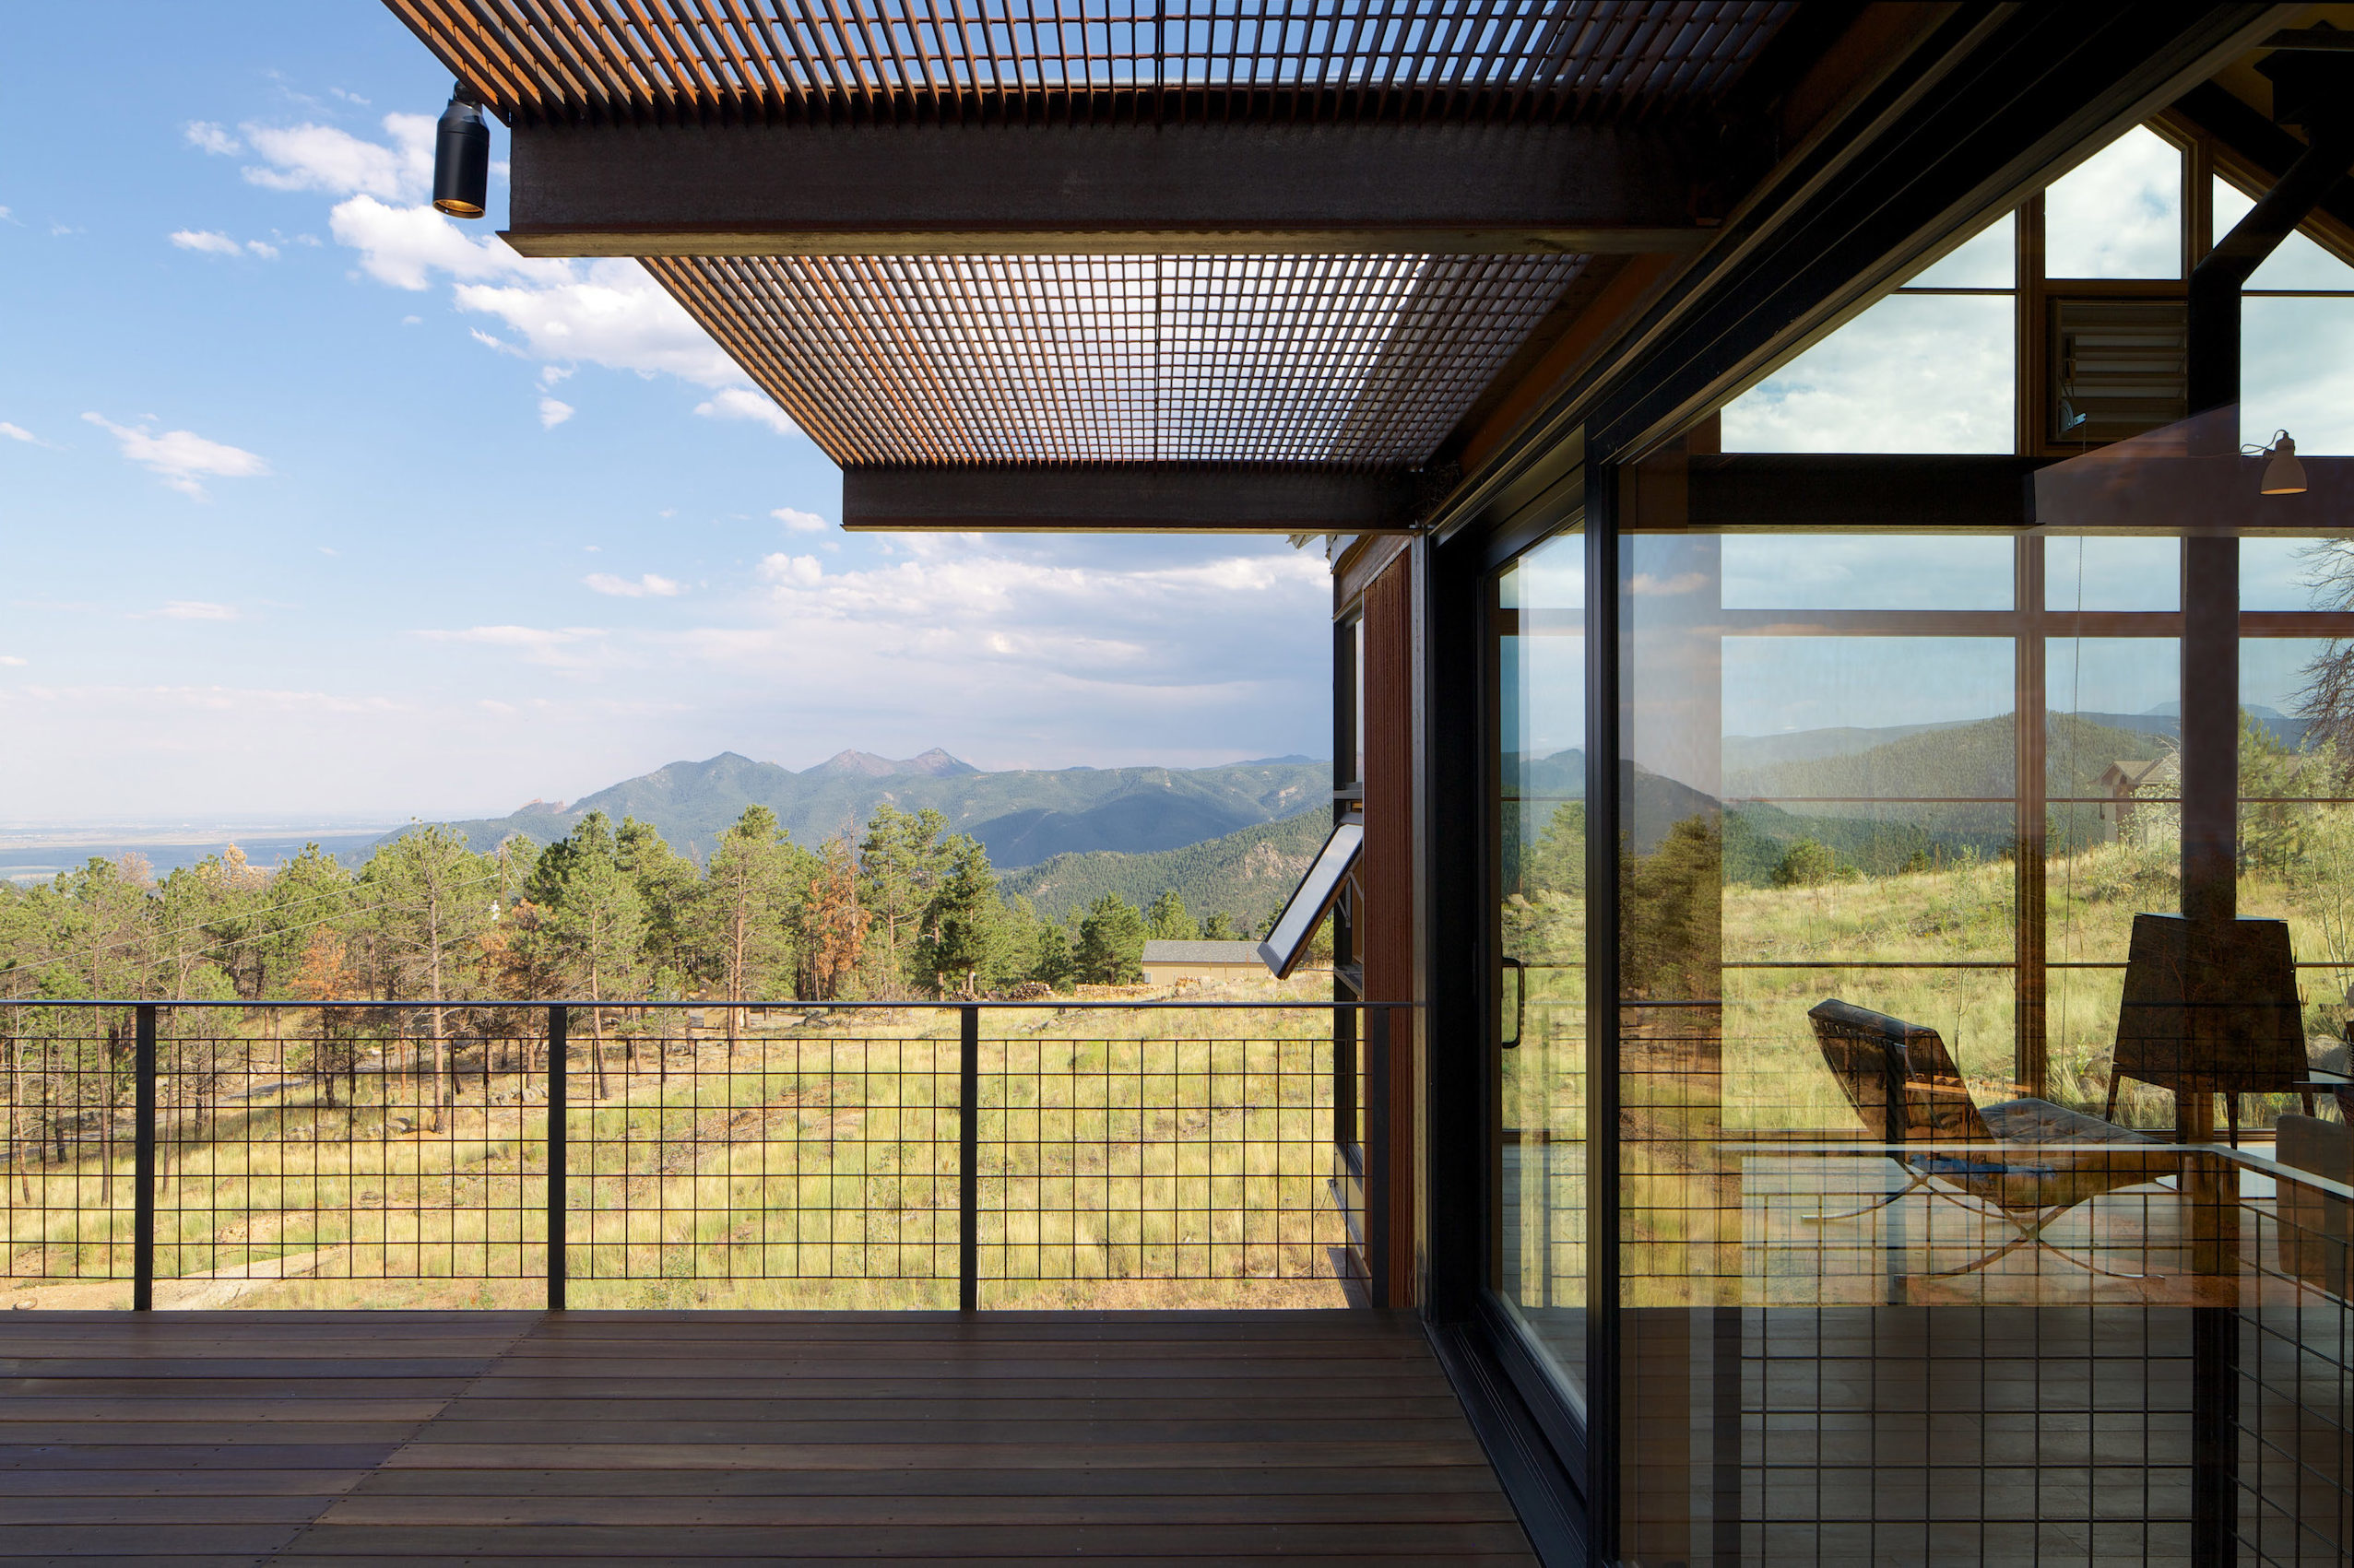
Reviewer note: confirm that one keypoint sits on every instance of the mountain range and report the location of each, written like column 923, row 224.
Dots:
column 1021, row 816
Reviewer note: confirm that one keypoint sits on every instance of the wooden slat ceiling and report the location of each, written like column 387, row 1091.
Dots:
column 670, row 61
column 1349, row 361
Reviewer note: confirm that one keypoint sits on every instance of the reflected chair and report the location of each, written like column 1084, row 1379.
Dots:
column 2041, row 1161
column 2247, row 1037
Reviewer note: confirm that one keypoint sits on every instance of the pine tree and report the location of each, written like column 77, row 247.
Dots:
column 1167, row 921
column 965, row 927
column 1111, row 943
column 431, row 900
column 748, row 904
column 901, row 862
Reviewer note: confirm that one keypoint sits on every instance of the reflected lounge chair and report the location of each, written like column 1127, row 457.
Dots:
column 1881, row 1061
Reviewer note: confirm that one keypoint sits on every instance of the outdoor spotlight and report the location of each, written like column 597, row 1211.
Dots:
column 2283, row 475
column 461, row 157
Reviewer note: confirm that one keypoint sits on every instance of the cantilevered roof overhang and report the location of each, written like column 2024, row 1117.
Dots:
column 1272, row 264
column 1240, row 264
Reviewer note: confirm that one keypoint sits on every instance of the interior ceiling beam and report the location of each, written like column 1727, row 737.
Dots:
column 2261, row 153
column 1158, row 497
column 600, row 190
column 1816, row 491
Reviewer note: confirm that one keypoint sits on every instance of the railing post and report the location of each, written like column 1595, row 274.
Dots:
column 557, row 1048
column 143, row 1163
column 969, row 1160
column 1377, row 1154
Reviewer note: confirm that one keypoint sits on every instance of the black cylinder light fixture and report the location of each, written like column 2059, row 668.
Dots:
column 461, row 157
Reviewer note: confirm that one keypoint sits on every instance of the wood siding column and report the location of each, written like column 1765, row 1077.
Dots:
column 1386, row 935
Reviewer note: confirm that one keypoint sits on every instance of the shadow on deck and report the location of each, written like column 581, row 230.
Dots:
column 593, row 1438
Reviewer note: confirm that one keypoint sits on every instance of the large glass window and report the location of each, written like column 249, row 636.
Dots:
column 1928, row 369
column 1968, row 1153
column 1537, row 617
column 2119, row 213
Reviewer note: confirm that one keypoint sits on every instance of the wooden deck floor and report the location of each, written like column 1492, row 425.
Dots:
column 595, row 1438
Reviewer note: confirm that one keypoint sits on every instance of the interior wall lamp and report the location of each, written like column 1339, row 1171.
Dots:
column 2283, row 475
column 462, row 157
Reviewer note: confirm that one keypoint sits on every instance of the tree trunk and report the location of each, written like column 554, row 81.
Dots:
column 20, row 1149
column 596, row 1026
column 441, row 1049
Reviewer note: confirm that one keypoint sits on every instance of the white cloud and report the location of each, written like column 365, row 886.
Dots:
column 743, row 402
column 607, row 312
column 516, row 636
column 207, row 241
column 553, row 412
column 180, row 456
column 405, row 245
column 211, row 242
column 197, row 609
column 1913, row 373
column 322, row 158
column 799, row 521
column 17, row 432
column 793, row 570
column 558, row 647
column 13, row 662
column 205, row 136
column 622, row 588
column 1647, row 586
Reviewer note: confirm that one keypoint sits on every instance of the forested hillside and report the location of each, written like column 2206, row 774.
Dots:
column 1020, row 818
column 1246, row 875
column 907, row 909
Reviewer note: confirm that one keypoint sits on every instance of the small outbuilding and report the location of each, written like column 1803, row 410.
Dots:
column 1167, row 962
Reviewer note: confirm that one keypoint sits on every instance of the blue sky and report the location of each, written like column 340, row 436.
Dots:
column 320, row 506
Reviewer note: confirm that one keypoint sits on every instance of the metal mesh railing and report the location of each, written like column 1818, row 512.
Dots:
column 501, row 1154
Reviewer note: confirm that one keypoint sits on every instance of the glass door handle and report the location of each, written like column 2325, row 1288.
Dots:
column 1519, row 1000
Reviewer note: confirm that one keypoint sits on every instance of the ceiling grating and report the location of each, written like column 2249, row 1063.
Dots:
column 1359, row 362
column 668, row 61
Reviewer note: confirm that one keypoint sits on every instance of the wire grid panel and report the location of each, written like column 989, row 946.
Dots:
column 1334, row 360
column 1171, row 1159
column 825, row 1158
column 400, row 1144
column 2295, row 1404
column 67, row 1080
column 1119, row 60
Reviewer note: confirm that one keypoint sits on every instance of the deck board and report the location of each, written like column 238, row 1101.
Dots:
column 588, row 1438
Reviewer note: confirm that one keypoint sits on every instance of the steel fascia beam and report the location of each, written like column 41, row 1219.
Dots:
column 584, row 190
column 1159, row 498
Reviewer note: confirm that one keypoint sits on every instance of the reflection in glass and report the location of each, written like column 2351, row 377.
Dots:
column 1781, row 570
column 2294, row 360
column 2112, row 573
column 1541, row 767
column 2118, row 214
column 1892, row 854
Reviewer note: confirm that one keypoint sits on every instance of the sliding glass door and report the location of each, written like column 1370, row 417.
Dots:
column 1538, row 938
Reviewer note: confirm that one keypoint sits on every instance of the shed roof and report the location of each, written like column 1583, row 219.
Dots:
column 1203, row 953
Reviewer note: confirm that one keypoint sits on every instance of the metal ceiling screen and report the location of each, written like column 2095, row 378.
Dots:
column 670, row 60
column 1345, row 360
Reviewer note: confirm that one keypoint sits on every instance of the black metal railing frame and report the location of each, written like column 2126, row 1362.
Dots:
column 1372, row 1162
